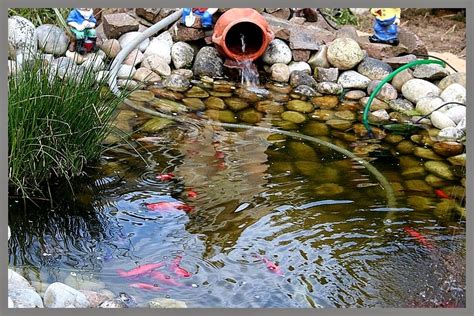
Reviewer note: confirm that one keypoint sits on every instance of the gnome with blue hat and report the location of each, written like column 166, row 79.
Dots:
column 82, row 23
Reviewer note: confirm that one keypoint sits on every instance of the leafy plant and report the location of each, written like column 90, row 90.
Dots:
column 340, row 16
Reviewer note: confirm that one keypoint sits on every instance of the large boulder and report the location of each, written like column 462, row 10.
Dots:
column 208, row 63
column 117, row 24
column 52, row 39
column 454, row 93
column 22, row 38
column 59, row 295
column 277, row 52
column 344, row 53
column 415, row 89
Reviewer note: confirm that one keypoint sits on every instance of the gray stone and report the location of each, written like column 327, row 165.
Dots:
column 126, row 71
column 126, row 38
column 182, row 55
column 427, row 105
column 111, row 47
column 353, row 80
column 25, row 298
column 298, row 78
column 208, row 63
column 329, row 88
column 117, row 24
column 462, row 124
column 326, row 74
column 320, row 59
column 299, row 66
column 22, row 37
column 52, row 39
column 277, row 52
column 454, row 93
column 456, row 114
column 344, row 53
column 374, row 69
column 379, row 116
column 459, row 77
column 401, row 105
column 399, row 79
column 59, row 295
column 398, row 61
column 280, row 72
column 415, row 89
column 176, row 82
column 306, row 91
column 155, row 63
column 166, row 36
column 159, row 47
column 451, row 134
column 440, row 120
column 388, row 92
column 430, row 72
column 16, row 281
column 166, row 303
column 309, row 37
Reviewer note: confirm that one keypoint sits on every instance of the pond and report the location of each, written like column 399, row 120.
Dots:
column 249, row 219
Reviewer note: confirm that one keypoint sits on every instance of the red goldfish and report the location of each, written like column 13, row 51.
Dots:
column 169, row 206
column 441, row 194
column 178, row 270
column 272, row 266
column 145, row 286
column 141, row 270
column 419, row 237
column 165, row 177
column 158, row 276
column 192, row 194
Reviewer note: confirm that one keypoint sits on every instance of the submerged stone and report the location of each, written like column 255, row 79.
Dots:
column 196, row 92
column 435, row 182
column 341, row 125
column 194, row 104
column 155, row 124
column 417, row 186
column 269, row 106
column 440, row 169
column 236, row 104
column 168, row 106
column 251, row 116
column 420, row 203
column 293, row 116
column 313, row 128
column 325, row 102
column 299, row 106
column 414, row 172
column 141, row 95
column 302, row 151
column 215, row 103
column 307, row 168
column 426, row 153
column 323, row 115
column 329, row 189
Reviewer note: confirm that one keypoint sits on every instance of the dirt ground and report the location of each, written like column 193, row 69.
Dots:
column 442, row 30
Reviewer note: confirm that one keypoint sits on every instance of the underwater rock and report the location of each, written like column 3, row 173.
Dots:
column 435, row 182
column 208, row 63
column 448, row 149
column 353, row 80
column 146, row 75
column 182, row 55
column 458, row 77
column 430, row 72
column 277, row 52
column 414, row 172
column 375, row 105
column 168, row 106
column 25, row 298
column 236, row 104
column 299, row 106
column 251, row 116
column 196, row 92
column 401, row 105
column 325, row 102
column 344, row 53
column 417, row 186
column 401, row 78
column 166, row 94
column 374, row 69
column 298, row 78
column 293, row 116
column 302, row 151
column 166, row 303
column 225, row 116
column 454, row 93
column 441, row 120
column 130, row 36
column 420, row 203
column 307, row 168
column 95, row 298
column 223, row 86
column 279, row 87
column 52, row 39
column 141, row 95
column 155, row 63
column 440, row 169
column 313, row 128
column 326, row 74
column 394, row 138
column 59, row 295
column 409, row 161
column 341, row 125
column 426, row 153
column 320, row 58
column 388, row 92
column 323, row 115
column 415, row 89
column 299, row 66
column 129, row 84
column 329, row 189
column 269, row 106
column 280, row 72
column 215, row 103
column 406, row 147
column 194, row 104
column 176, row 82
column 329, row 88
column 456, row 113
column 428, row 104
column 345, row 115
column 459, row 160
column 113, row 303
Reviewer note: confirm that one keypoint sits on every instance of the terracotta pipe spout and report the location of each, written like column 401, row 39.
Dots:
column 242, row 34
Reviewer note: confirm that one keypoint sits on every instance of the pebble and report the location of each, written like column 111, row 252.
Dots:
column 353, row 80
column 454, row 93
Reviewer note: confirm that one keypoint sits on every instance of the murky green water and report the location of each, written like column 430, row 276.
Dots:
column 316, row 214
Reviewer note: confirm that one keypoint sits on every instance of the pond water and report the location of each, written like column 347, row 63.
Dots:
column 255, row 199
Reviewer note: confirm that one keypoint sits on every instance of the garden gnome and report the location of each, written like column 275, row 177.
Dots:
column 188, row 17
column 82, row 23
column 385, row 25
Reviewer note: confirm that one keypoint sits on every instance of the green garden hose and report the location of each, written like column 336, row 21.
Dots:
column 365, row 118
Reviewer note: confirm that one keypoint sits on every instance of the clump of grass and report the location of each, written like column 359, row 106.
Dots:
column 57, row 120
column 40, row 16
column 340, row 16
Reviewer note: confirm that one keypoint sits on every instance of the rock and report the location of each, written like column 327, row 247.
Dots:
column 323, row 115
column 329, row 88
column 128, row 84
column 353, row 80
column 301, row 54
column 374, row 69
column 456, row 113
column 280, row 72
column 320, row 58
column 194, row 104
column 309, row 37
column 111, row 47
column 187, row 73
column 236, row 104
column 182, row 55
column 415, row 89
column 298, row 78
column 52, row 39
column 451, row 134
column 344, row 53
column 78, row 58
column 440, row 169
column 293, row 116
column 181, row 33
column 208, row 63
column 126, row 38
column 399, row 79
column 160, row 48
column 417, row 186
column 281, row 13
column 25, row 298
column 355, row 95
column 166, row 36
column 441, row 121
column 59, row 295
column 345, row 115
column 149, row 14
column 435, row 182
column 225, row 116
column 414, row 172
column 413, row 43
column 348, row 31
column 430, row 72
column 421, row 203
column 427, row 105
column 196, row 92
column 17, row 282
column 95, row 298
column 397, row 62
column 113, row 303
column 168, row 106
column 459, row 160
column 22, row 38
column 426, row 153
column 166, row 303
column 406, row 147
column 299, row 106
column 10, row 303
column 146, row 75
column 313, row 128
column 306, row 91
column 448, row 149
column 277, row 52
column 401, row 105
column 379, row 116
column 381, row 51
column 387, row 93
column 325, row 102
column 125, row 72
column 141, row 96
column 176, row 82
column 156, row 124
column 250, row 116
column 329, row 189
column 156, row 64
column 338, row 124
column 117, row 24
column 93, row 63
column 134, row 58
column 326, row 74
column 462, row 124
column 454, row 93
column 458, row 77
column 299, row 66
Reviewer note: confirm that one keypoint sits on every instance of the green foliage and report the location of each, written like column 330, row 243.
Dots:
column 55, row 126
column 41, row 15
column 340, row 16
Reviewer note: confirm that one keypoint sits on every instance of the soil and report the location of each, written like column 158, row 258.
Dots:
column 442, row 30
